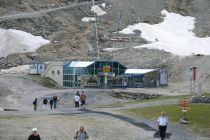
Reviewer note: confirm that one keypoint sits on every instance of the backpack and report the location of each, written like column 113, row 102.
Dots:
column 45, row 101
column 34, row 102
column 86, row 136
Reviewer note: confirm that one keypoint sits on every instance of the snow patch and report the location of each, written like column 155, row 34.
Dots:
column 1, row 109
column 111, row 49
column 16, row 41
column 173, row 35
column 99, row 12
column 103, row 5
column 88, row 19
column 15, row 70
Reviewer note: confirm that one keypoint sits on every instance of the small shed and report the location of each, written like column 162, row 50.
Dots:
column 36, row 67
column 142, row 77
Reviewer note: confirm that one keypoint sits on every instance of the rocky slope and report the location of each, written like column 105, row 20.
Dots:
column 70, row 38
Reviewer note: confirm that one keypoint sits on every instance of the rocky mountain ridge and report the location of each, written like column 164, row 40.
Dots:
column 71, row 38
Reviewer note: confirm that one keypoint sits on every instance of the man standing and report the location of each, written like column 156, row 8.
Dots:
column 162, row 125
column 82, row 99
column 51, row 104
column 34, row 135
column 76, row 100
column 81, row 134
column 55, row 98
column 35, row 104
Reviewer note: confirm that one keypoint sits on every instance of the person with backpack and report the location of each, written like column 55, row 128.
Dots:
column 45, row 103
column 81, row 134
column 35, row 104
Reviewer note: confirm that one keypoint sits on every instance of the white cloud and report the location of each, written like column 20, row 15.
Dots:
column 174, row 35
column 15, row 41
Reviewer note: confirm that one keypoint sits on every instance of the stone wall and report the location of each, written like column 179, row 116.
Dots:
column 200, row 99
column 133, row 95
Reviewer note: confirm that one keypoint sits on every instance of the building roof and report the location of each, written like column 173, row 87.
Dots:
column 138, row 71
column 80, row 64
column 35, row 62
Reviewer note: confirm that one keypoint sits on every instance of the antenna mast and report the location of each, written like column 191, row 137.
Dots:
column 95, row 45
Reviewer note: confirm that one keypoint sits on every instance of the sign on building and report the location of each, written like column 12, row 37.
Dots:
column 106, row 69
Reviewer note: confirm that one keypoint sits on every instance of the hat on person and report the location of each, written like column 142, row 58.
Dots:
column 34, row 129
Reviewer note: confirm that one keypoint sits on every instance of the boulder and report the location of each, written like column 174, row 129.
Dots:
column 200, row 99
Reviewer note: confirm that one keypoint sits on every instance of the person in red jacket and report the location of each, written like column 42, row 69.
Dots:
column 34, row 135
column 82, row 99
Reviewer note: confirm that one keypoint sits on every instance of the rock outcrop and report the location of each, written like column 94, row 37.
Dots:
column 133, row 95
column 200, row 99
column 182, row 7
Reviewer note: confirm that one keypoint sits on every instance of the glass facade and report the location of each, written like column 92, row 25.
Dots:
column 72, row 75
column 100, row 69
column 135, row 81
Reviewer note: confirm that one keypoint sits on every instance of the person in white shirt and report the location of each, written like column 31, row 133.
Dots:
column 76, row 100
column 162, row 124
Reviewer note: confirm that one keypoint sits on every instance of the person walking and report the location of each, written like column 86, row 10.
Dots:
column 81, row 134
column 82, row 99
column 76, row 100
column 45, row 103
column 55, row 99
column 162, row 124
column 51, row 104
column 35, row 104
column 34, row 135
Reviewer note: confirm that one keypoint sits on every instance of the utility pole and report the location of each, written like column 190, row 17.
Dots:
column 95, row 44
column 119, row 21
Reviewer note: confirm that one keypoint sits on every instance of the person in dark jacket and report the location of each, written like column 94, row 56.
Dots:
column 55, row 99
column 45, row 103
column 34, row 135
column 35, row 104
column 51, row 104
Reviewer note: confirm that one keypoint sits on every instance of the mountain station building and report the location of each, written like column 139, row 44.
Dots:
column 100, row 74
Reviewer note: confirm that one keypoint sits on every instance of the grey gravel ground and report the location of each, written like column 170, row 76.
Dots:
column 62, row 123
